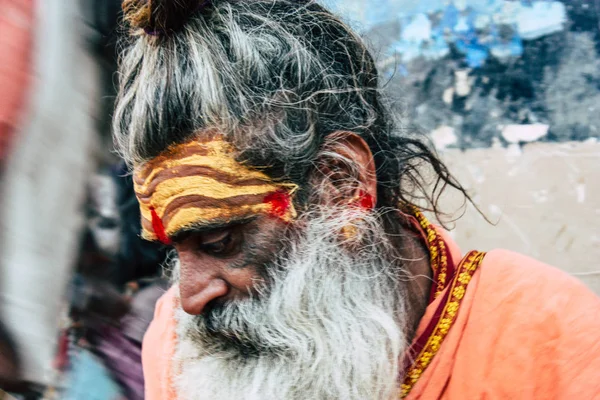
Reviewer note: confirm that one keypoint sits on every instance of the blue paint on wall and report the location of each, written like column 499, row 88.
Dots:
column 471, row 26
column 521, row 62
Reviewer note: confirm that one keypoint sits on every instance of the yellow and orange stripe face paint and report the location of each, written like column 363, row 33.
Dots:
column 200, row 183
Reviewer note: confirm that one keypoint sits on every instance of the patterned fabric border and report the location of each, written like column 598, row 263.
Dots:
column 449, row 307
column 438, row 254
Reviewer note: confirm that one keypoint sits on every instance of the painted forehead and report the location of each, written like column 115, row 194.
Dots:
column 200, row 183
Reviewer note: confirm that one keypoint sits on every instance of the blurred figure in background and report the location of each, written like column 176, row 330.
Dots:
column 114, row 292
column 16, row 26
column 48, row 110
column 16, row 37
column 57, row 60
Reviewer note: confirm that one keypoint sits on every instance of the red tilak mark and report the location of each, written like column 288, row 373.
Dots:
column 280, row 203
column 159, row 228
column 365, row 200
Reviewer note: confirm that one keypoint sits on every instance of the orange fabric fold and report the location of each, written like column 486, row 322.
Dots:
column 158, row 349
column 525, row 330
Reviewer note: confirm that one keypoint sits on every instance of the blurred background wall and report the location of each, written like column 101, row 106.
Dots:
column 48, row 162
column 509, row 93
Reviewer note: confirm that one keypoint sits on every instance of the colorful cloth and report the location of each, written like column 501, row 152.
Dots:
column 522, row 330
column 16, row 44
column 179, row 189
column 122, row 357
column 90, row 380
column 158, row 349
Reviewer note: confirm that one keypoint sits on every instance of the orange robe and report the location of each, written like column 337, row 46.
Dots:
column 158, row 349
column 524, row 330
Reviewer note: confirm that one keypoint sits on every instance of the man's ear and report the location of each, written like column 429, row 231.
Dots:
column 346, row 170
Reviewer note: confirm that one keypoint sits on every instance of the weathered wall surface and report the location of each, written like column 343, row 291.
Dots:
column 509, row 92
column 545, row 199
column 477, row 66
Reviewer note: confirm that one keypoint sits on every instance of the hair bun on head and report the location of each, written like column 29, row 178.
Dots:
column 158, row 17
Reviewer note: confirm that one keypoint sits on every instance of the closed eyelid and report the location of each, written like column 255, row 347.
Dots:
column 203, row 229
column 215, row 236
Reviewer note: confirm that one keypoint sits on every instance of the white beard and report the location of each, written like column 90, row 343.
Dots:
column 332, row 326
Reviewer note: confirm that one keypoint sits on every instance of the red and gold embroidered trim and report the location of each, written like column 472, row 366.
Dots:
column 437, row 251
column 449, row 310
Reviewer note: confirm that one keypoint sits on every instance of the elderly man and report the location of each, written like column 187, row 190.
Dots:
column 263, row 153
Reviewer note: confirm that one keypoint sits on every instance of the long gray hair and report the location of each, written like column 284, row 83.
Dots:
column 275, row 76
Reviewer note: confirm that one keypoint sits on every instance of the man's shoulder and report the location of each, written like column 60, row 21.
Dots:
column 158, row 347
column 162, row 325
column 531, row 292
column 515, row 271
column 532, row 329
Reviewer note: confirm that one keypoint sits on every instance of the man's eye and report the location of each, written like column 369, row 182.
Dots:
column 222, row 244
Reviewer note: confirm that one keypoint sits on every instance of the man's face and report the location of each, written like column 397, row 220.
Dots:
column 291, row 313
column 281, row 304
column 103, row 221
column 226, row 263
column 223, row 218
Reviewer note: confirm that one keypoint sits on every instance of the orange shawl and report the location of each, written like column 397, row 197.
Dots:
column 525, row 330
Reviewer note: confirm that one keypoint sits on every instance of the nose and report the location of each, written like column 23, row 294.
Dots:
column 199, row 285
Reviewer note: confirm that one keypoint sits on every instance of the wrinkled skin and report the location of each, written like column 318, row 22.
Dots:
column 227, row 263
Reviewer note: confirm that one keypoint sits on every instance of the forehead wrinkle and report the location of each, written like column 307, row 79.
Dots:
column 171, row 195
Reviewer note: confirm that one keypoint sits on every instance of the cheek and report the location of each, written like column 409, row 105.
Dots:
column 198, row 272
column 262, row 243
column 266, row 244
column 243, row 281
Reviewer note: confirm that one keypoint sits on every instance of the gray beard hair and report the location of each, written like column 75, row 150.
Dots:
column 332, row 325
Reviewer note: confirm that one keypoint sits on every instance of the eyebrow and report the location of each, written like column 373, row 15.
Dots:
column 206, row 227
